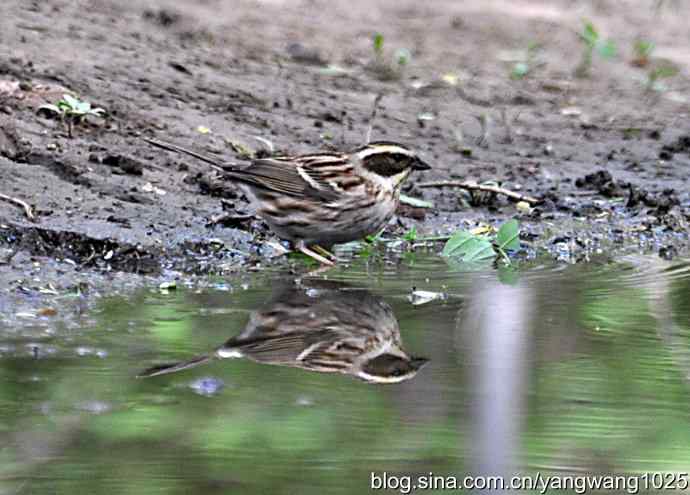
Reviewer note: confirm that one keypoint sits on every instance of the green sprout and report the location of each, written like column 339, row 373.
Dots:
column 592, row 42
column 385, row 69
column 378, row 45
column 643, row 50
column 72, row 111
column 411, row 235
column 522, row 68
column 402, row 57
column 466, row 247
column 655, row 75
column 374, row 239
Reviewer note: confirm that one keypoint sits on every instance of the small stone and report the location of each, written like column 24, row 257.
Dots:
column 207, row 386
column 95, row 407
column 523, row 207
column 47, row 312
column 125, row 163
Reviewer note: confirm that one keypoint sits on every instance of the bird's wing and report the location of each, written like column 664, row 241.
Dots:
column 323, row 177
column 287, row 348
column 337, row 353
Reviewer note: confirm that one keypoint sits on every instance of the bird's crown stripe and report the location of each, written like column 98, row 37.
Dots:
column 384, row 149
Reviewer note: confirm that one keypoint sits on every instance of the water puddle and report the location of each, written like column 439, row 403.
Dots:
column 265, row 384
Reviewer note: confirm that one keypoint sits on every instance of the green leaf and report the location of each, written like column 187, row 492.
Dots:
column 520, row 70
column 663, row 72
column 403, row 56
column 417, row 203
column 590, row 34
column 378, row 43
column 479, row 249
column 508, row 236
column 607, row 49
column 508, row 275
column 457, row 240
column 468, row 247
column 71, row 101
column 83, row 107
column 374, row 238
column 411, row 235
column 644, row 48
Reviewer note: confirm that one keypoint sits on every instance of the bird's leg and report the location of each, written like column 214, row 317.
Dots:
column 304, row 249
column 324, row 252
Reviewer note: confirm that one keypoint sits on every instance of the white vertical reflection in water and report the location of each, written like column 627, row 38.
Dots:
column 497, row 322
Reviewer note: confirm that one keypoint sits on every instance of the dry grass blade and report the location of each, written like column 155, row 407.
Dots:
column 374, row 111
column 473, row 186
column 28, row 211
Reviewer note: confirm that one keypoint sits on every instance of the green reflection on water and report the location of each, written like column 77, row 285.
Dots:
column 606, row 360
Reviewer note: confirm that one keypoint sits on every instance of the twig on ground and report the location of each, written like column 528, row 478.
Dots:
column 473, row 186
column 28, row 211
column 506, row 123
column 374, row 110
column 473, row 100
column 485, row 122
column 343, row 117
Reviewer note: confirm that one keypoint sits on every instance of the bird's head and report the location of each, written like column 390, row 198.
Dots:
column 391, row 368
column 389, row 161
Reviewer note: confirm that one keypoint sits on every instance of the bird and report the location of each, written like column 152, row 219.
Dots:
column 321, row 199
column 328, row 328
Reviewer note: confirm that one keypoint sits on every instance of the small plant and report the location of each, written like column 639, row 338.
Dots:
column 388, row 70
column 72, row 111
column 402, row 57
column 657, row 69
column 467, row 247
column 374, row 239
column 655, row 75
column 592, row 43
column 522, row 68
column 378, row 46
column 411, row 235
column 643, row 50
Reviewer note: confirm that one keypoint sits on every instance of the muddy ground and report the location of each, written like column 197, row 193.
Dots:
column 608, row 157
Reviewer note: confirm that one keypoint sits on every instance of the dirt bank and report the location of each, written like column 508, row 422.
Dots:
column 609, row 157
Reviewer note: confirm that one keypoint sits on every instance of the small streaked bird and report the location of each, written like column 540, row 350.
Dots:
column 318, row 200
column 329, row 329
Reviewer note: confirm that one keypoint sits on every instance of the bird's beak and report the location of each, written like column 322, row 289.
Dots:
column 418, row 363
column 420, row 164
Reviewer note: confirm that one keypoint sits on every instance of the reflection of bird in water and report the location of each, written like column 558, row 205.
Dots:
column 331, row 330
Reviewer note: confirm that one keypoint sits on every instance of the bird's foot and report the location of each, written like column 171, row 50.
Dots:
column 324, row 252
column 321, row 259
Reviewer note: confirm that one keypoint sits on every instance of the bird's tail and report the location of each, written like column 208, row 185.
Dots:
column 217, row 165
column 164, row 369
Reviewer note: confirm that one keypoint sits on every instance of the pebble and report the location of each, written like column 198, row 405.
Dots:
column 207, row 386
